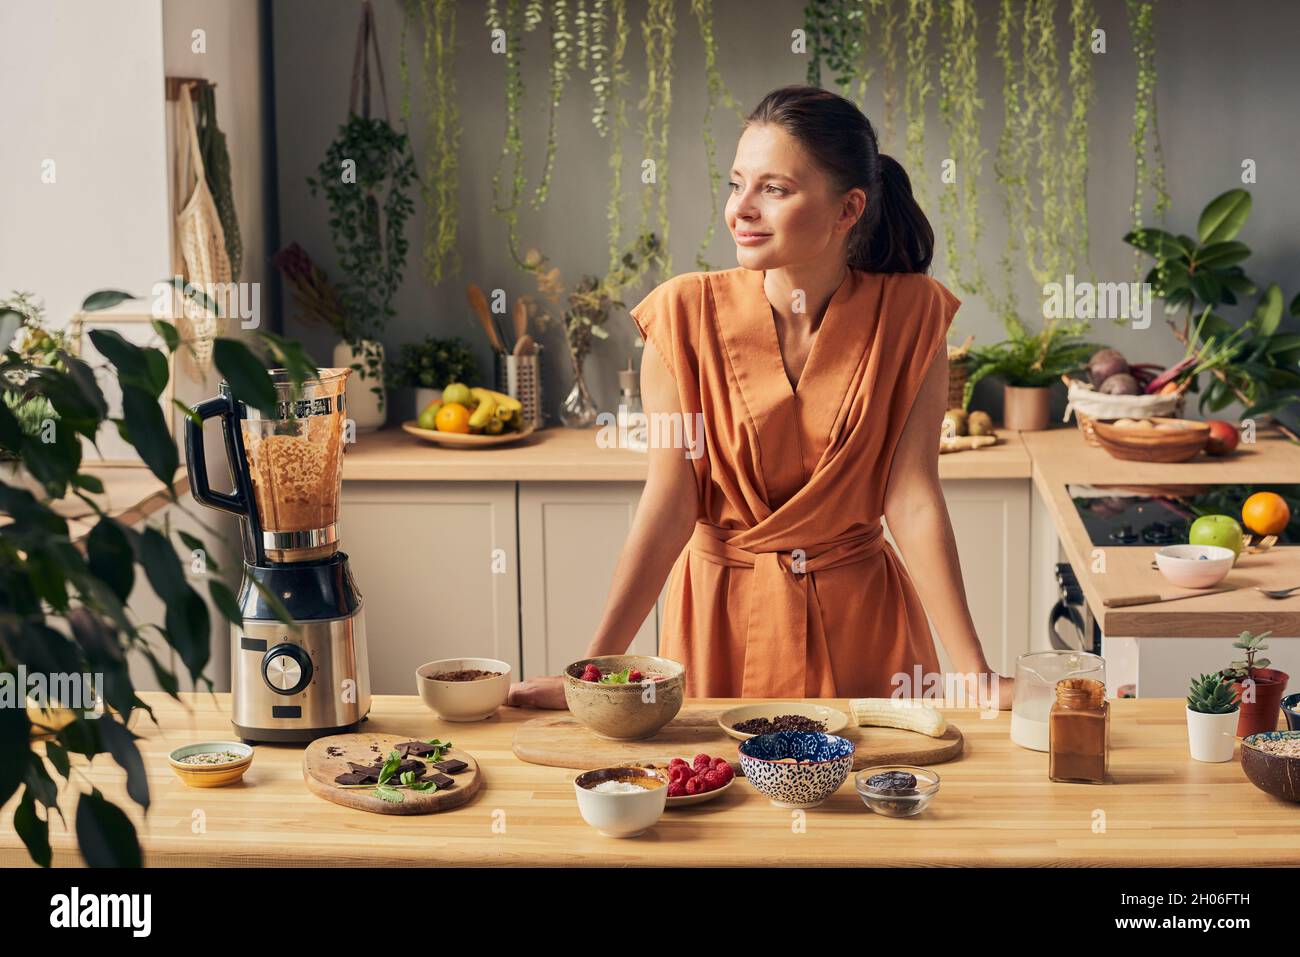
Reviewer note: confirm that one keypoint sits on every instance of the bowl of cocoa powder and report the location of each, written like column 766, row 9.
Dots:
column 463, row 689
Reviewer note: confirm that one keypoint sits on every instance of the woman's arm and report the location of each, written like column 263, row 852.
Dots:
column 918, row 520
column 664, row 521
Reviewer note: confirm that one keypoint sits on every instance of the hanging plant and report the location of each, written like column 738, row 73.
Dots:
column 717, row 91
column 885, row 17
column 1083, row 19
column 599, row 59
column 658, row 30
column 560, row 43
column 836, row 32
column 1010, row 165
column 1044, row 109
column 959, row 107
column 916, row 89
column 440, row 177
column 1141, row 18
column 512, row 25
column 582, row 32
column 618, row 78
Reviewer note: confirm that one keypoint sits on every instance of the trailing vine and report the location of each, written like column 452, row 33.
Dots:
column 598, row 57
column 717, row 91
column 618, row 78
column 885, row 15
column 836, row 32
column 560, row 40
column 1010, row 165
column 440, row 176
column 513, row 25
column 916, row 88
column 1044, row 108
column 658, row 30
column 959, row 107
column 1141, row 18
column 582, row 28
column 1075, row 223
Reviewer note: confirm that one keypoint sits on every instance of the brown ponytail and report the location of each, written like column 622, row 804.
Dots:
column 892, row 234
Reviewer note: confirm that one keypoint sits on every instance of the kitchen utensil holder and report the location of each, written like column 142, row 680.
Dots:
column 521, row 377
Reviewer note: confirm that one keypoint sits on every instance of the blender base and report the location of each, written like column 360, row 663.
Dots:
column 290, row 735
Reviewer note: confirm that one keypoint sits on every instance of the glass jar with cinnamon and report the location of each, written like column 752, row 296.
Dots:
column 1079, row 732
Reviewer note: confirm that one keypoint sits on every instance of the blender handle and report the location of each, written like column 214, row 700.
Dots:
column 196, row 458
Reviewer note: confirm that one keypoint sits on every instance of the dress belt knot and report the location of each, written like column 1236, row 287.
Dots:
column 776, row 641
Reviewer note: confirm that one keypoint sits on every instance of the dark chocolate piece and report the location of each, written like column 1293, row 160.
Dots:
column 354, row 777
column 451, row 766
column 441, row 780
column 415, row 749
column 365, row 768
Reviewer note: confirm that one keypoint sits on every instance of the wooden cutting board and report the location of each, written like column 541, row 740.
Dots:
column 559, row 741
column 320, row 769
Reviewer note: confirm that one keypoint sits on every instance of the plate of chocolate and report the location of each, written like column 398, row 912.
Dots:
column 751, row 720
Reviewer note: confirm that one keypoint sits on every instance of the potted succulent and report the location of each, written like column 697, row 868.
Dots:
column 1258, row 687
column 1211, row 718
column 1028, row 364
column 430, row 366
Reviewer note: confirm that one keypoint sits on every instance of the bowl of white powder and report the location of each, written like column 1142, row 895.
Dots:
column 621, row 801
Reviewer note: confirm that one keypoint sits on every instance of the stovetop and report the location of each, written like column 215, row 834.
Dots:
column 1162, row 514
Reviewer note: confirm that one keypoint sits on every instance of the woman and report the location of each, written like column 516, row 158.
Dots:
column 819, row 371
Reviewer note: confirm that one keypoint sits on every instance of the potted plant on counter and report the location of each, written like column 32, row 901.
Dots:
column 1028, row 364
column 1211, row 719
column 1258, row 687
column 430, row 366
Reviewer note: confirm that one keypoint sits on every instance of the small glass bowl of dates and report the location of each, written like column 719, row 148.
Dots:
column 896, row 790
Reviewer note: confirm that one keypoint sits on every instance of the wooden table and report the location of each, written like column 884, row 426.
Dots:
column 995, row 807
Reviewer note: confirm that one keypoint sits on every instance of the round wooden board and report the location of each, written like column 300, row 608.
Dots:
column 558, row 740
column 320, row 769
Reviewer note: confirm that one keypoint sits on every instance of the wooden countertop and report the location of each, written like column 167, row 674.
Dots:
column 572, row 455
column 1061, row 457
column 995, row 807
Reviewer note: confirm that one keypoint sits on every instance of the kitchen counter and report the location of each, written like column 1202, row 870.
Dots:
column 572, row 455
column 1061, row 456
column 995, row 807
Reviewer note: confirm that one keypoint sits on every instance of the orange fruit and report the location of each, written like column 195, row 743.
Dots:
column 453, row 417
column 1265, row 513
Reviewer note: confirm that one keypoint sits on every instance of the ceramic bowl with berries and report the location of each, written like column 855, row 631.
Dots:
column 693, row 782
column 624, row 697
column 796, row 768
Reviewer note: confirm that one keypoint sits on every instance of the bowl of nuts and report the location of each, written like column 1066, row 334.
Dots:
column 896, row 790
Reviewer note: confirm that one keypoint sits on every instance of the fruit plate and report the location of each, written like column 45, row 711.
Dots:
column 688, row 799
column 835, row 721
column 465, row 440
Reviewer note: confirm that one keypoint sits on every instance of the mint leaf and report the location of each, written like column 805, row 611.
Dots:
column 391, row 795
column 424, row 786
column 408, row 778
column 390, row 767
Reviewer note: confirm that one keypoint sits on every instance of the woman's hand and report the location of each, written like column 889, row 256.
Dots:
column 544, row 692
column 1003, row 690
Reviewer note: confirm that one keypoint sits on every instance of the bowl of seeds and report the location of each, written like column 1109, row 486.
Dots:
column 1271, row 760
column 751, row 720
column 211, row 764
column 463, row 689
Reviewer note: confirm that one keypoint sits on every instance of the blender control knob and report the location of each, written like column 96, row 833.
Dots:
column 287, row 669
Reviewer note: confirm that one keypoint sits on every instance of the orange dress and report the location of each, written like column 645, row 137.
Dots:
column 788, row 588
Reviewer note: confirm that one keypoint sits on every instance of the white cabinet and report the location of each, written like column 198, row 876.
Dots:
column 570, row 537
column 436, row 566
column 990, row 521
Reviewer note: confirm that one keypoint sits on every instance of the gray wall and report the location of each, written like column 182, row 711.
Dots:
column 1225, row 77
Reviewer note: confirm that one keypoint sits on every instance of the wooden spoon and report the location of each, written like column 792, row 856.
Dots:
column 478, row 302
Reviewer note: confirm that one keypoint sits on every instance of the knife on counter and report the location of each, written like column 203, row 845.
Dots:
column 1123, row 601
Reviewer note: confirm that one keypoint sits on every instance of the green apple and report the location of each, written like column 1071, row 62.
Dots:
column 1220, row 530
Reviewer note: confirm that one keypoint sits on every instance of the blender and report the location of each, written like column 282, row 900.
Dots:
column 310, row 678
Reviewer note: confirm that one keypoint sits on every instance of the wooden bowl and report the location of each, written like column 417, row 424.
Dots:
column 1168, row 440
column 625, row 712
column 1273, row 774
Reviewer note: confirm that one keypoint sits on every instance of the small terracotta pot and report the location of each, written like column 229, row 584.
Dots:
column 1262, row 713
column 1026, row 409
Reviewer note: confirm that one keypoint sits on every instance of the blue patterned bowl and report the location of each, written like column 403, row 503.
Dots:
column 821, row 763
column 1291, row 709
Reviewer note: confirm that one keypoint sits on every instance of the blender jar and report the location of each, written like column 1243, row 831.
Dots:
column 1036, row 676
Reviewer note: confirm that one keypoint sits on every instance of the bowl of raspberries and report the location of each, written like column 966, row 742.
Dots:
column 699, row 780
column 624, row 697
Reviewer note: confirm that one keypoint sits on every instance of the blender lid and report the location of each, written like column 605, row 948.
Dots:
column 321, row 394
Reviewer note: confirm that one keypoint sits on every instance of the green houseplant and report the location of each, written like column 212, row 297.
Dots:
column 64, row 610
column 430, row 366
column 1028, row 364
column 1255, row 685
column 1255, row 364
column 1211, row 718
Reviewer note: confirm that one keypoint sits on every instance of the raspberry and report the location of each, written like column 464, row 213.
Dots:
column 680, row 773
column 702, row 762
column 694, row 786
column 678, row 761
column 634, row 675
column 677, row 789
column 591, row 673
column 725, row 772
column 720, row 762
column 713, row 780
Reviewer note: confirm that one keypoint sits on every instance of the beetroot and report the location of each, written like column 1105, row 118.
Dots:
column 1104, row 364
column 1120, row 384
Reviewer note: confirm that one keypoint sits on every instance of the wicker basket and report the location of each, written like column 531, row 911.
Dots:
column 1087, row 404
column 958, row 373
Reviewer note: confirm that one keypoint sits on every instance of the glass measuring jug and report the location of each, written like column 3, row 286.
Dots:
column 1036, row 676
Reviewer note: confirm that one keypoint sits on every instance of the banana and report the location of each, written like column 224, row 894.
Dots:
column 509, row 401
column 484, row 413
column 494, row 427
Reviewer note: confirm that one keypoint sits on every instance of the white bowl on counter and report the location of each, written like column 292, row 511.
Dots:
column 463, row 700
column 1195, row 566
column 622, row 815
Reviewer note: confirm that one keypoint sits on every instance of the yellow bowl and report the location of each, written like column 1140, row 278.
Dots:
column 211, row 775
